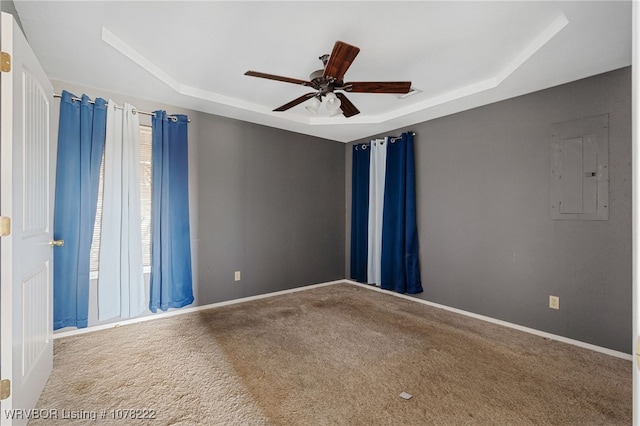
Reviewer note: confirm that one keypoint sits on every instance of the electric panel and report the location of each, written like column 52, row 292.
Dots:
column 580, row 169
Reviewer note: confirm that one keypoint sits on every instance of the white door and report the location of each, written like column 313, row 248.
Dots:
column 26, row 195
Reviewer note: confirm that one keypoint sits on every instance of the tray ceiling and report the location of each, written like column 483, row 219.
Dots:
column 459, row 55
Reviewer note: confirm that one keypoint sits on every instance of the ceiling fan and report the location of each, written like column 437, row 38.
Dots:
column 330, row 79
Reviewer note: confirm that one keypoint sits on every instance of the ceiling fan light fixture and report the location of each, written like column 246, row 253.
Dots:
column 314, row 106
column 333, row 103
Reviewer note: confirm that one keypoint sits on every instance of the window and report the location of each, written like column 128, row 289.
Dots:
column 145, row 208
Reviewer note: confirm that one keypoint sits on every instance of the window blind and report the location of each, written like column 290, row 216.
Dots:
column 145, row 195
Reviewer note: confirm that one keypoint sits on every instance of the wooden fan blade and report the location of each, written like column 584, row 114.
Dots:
column 348, row 109
column 340, row 60
column 278, row 78
column 378, row 86
column 296, row 101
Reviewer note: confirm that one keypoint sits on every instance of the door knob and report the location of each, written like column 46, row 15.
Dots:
column 57, row 243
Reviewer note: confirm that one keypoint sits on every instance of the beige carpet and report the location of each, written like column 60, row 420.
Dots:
column 334, row 355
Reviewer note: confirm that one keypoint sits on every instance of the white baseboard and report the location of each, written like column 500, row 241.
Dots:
column 181, row 311
column 563, row 339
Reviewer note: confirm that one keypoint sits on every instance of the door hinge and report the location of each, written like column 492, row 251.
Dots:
column 5, row 389
column 5, row 226
column 5, row 62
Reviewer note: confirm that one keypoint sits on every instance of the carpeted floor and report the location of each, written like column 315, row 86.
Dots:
column 333, row 355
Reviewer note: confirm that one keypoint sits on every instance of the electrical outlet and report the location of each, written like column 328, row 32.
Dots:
column 554, row 302
column 237, row 276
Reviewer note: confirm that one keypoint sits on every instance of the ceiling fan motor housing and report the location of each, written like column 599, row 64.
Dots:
column 316, row 77
column 323, row 84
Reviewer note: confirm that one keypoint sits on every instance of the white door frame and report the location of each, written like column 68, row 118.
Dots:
column 27, row 169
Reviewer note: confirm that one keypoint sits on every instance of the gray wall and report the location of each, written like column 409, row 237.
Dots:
column 266, row 202
column 270, row 204
column 487, row 242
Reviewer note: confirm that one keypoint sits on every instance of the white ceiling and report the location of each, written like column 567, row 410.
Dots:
column 194, row 54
